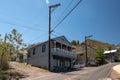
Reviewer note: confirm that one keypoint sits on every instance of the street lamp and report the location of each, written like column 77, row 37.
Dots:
column 86, row 37
column 49, row 34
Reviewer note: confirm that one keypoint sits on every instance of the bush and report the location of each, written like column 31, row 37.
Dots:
column 117, row 60
column 5, row 66
column 3, row 77
column 100, row 56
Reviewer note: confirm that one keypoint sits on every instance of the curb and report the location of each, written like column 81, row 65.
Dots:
column 114, row 74
column 108, row 74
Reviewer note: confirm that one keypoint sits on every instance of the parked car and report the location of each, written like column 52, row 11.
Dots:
column 92, row 63
column 79, row 65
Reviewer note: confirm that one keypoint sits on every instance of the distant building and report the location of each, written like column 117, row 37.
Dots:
column 23, row 53
column 62, row 57
column 111, row 55
column 81, row 55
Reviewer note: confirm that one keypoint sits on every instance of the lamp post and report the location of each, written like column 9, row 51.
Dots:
column 86, row 37
column 49, row 35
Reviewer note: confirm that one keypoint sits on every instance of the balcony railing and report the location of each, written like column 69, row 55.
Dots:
column 62, row 52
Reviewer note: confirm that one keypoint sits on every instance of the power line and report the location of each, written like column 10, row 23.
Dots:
column 37, row 37
column 57, row 33
column 54, row 35
column 15, row 18
column 4, row 14
column 67, row 15
column 37, row 29
column 64, row 11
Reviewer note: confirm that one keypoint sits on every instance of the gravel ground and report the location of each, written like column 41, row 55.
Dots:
column 28, row 71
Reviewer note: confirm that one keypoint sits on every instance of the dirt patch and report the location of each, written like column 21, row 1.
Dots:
column 114, row 75
column 11, row 74
column 29, row 71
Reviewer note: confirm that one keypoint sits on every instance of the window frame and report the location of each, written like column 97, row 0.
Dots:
column 34, row 51
column 43, row 48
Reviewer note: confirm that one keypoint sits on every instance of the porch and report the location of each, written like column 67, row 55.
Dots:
column 61, row 64
column 62, row 50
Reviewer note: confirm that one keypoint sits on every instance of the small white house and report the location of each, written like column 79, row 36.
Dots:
column 111, row 55
column 62, row 56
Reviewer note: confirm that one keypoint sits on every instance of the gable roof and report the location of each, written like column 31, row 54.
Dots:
column 62, row 39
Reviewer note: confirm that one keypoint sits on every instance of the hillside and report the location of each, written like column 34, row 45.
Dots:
column 118, row 46
column 98, row 44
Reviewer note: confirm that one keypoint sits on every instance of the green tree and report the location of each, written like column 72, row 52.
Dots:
column 16, row 43
column 12, row 43
column 100, row 57
column 75, row 42
column 4, row 54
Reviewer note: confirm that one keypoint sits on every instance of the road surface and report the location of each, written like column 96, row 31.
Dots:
column 87, row 73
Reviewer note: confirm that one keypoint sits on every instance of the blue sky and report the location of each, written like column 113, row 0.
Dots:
column 100, row 18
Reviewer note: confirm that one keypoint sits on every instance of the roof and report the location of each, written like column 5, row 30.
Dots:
column 62, row 39
column 58, row 39
column 111, row 51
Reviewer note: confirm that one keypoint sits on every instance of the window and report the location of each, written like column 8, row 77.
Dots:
column 43, row 48
column 34, row 51
column 81, row 54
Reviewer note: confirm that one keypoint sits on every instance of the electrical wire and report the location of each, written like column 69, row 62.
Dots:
column 4, row 14
column 57, row 33
column 66, row 15
column 37, row 37
column 64, row 11
column 37, row 29
column 54, row 35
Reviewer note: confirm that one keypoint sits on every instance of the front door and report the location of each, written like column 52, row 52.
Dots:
column 62, row 65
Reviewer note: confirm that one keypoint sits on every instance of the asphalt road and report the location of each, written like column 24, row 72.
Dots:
column 99, row 73
column 87, row 73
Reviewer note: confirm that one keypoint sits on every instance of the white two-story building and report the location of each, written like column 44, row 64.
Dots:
column 62, row 56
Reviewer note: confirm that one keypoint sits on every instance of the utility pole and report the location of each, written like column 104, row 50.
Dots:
column 5, row 38
column 86, row 52
column 111, row 55
column 110, row 48
column 86, row 56
column 49, row 36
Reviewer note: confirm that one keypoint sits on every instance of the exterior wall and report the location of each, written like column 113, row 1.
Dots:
column 81, row 56
column 63, row 56
column 39, row 59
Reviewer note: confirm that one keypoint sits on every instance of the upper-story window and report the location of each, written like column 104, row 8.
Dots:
column 81, row 54
column 34, row 51
column 43, row 48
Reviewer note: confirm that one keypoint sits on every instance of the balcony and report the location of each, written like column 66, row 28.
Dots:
column 63, row 53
